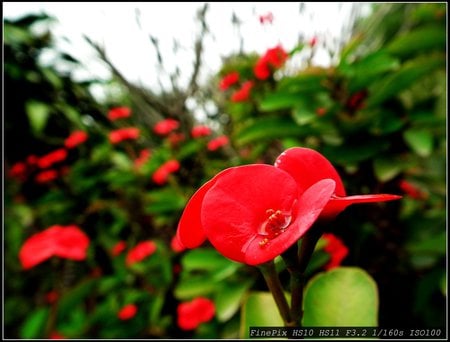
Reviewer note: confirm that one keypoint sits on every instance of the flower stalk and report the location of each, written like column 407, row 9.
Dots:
column 273, row 282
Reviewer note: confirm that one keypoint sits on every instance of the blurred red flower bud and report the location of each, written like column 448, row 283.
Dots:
column 119, row 113
column 217, row 143
column 162, row 173
column 228, row 80
column 128, row 133
column 192, row 314
column 200, row 131
column 166, row 126
column 243, row 93
column 52, row 158
column 336, row 249
column 118, row 248
column 46, row 176
column 75, row 139
column 127, row 312
column 141, row 251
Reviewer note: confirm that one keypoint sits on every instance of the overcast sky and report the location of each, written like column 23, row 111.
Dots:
column 114, row 26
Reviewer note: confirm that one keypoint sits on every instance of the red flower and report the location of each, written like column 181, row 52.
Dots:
column 228, row 80
column 166, row 126
column 412, row 190
column 200, row 131
column 253, row 213
column 217, row 143
column 176, row 244
column 127, row 312
column 144, row 156
column 67, row 242
column 266, row 18
column 336, row 249
column 118, row 248
column 119, row 113
column 18, row 170
column 128, row 133
column 243, row 93
column 273, row 59
column 141, row 251
column 162, row 173
column 32, row 159
column 46, row 176
column 52, row 158
column 75, row 139
column 192, row 314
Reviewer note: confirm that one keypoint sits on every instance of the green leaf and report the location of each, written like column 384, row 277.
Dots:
column 344, row 296
column 228, row 299
column 259, row 310
column 74, row 297
column 435, row 244
column 305, row 83
column 303, row 115
column 365, row 71
column 38, row 113
column 34, row 326
column 423, row 39
column 277, row 101
column 204, row 259
column 269, row 128
column 420, row 141
column 386, row 168
column 405, row 77
column 166, row 200
column 349, row 154
column 191, row 286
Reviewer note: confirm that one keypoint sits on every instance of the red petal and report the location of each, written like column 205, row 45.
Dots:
column 71, row 243
column 190, row 230
column 39, row 247
column 308, row 167
column 309, row 207
column 338, row 204
column 236, row 206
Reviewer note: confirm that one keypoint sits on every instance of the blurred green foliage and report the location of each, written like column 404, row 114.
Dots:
column 379, row 115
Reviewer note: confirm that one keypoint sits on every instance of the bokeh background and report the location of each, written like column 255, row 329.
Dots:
column 364, row 84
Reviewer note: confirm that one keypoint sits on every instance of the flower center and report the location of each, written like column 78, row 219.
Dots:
column 275, row 224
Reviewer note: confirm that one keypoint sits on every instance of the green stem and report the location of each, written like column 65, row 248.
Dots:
column 274, row 284
column 297, row 280
column 307, row 246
